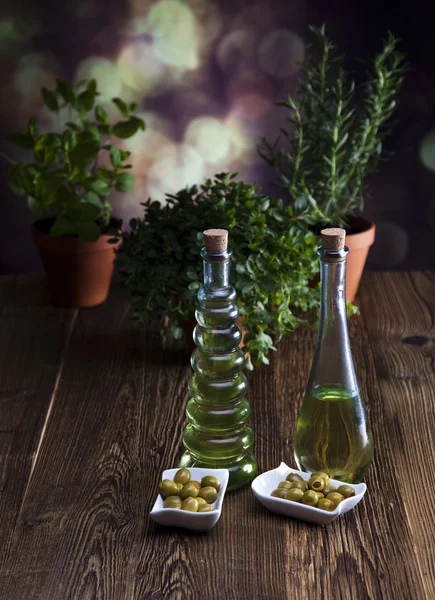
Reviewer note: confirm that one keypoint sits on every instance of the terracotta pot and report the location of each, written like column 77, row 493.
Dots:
column 79, row 272
column 189, row 326
column 359, row 244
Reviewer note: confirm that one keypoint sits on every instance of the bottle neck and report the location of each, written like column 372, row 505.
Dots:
column 333, row 364
column 216, row 269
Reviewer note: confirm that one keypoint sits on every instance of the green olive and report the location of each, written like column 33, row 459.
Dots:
column 346, row 490
column 205, row 507
column 300, row 485
column 208, row 493
column 335, row 497
column 189, row 490
column 316, row 483
column 321, row 474
column 320, row 495
column 328, row 489
column 285, row 485
column 325, row 504
column 179, row 487
column 294, row 477
column 168, row 488
column 295, row 495
column 190, row 504
column 279, row 493
column 196, row 484
column 200, row 501
column 211, row 481
column 310, row 497
column 182, row 476
column 172, row 502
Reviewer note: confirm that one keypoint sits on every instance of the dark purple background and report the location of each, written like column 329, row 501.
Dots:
column 224, row 63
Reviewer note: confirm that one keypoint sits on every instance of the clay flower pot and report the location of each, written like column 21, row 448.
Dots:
column 358, row 242
column 79, row 272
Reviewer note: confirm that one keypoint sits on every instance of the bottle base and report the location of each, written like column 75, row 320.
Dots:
column 241, row 472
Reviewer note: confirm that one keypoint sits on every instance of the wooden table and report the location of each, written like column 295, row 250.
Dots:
column 92, row 411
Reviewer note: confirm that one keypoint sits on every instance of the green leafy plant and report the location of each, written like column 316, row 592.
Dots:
column 331, row 144
column 272, row 259
column 65, row 178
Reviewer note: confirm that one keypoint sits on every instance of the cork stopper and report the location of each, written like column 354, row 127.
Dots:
column 333, row 239
column 216, row 240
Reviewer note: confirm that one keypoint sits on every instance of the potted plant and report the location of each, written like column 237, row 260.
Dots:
column 273, row 260
column 69, row 181
column 331, row 144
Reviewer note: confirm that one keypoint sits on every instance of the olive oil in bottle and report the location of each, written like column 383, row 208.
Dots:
column 333, row 433
column 217, row 435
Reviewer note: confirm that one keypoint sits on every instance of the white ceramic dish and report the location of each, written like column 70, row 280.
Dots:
column 264, row 484
column 175, row 517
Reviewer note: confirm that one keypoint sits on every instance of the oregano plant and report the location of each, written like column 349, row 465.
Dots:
column 273, row 261
column 65, row 177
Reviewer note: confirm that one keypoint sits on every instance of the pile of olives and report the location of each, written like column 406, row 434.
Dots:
column 189, row 495
column 315, row 492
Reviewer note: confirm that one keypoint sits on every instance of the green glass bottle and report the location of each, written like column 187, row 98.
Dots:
column 217, row 435
column 333, row 433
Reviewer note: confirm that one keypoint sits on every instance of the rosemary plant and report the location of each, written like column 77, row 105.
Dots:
column 330, row 143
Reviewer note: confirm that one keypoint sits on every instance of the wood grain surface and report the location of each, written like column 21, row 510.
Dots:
column 92, row 411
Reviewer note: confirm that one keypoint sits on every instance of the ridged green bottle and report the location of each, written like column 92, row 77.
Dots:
column 217, row 435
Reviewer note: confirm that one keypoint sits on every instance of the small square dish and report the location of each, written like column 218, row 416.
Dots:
column 175, row 517
column 264, row 484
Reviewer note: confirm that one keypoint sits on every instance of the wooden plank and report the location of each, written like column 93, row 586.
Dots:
column 99, row 463
column 400, row 322
column 33, row 338
column 367, row 553
column 245, row 555
column 83, row 529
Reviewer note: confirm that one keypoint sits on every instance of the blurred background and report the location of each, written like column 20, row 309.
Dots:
column 206, row 75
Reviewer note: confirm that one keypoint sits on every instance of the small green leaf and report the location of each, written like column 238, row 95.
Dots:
column 84, row 154
column 122, row 106
column 32, row 128
column 83, row 212
column 73, row 126
column 50, row 99
column 101, row 115
column 63, row 226
column 15, row 179
column 88, row 231
column 65, row 90
column 21, row 139
column 126, row 129
column 85, row 100
column 133, row 106
column 115, row 156
column 34, row 206
column 99, row 186
column 93, row 198
column 124, row 182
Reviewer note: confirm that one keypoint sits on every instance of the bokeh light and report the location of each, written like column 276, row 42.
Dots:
column 175, row 34
column 210, row 138
column 140, row 70
column 179, row 166
column 251, row 94
column 105, row 72
column 236, row 50
column 427, row 150
column 280, row 53
column 150, row 147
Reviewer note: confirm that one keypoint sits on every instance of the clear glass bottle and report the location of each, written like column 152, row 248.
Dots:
column 333, row 433
column 217, row 435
